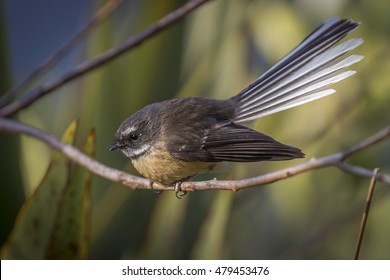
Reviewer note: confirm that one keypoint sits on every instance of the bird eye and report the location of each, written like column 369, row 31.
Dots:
column 134, row 137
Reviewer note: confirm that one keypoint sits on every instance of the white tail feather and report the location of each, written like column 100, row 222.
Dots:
column 303, row 75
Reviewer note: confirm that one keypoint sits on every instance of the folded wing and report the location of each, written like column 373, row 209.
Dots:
column 231, row 142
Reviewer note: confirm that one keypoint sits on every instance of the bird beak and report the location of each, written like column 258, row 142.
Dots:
column 114, row 146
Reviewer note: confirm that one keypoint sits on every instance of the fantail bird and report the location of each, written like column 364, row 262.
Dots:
column 176, row 139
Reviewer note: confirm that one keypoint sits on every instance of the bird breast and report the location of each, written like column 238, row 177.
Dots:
column 159, row 166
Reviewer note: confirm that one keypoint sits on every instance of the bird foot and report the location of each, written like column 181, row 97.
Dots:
column 155, row 191
column 178, row 191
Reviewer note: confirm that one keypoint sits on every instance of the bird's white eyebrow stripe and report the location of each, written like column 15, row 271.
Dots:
column 130, row 130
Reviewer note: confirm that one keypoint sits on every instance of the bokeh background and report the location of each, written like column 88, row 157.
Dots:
column 214, row 52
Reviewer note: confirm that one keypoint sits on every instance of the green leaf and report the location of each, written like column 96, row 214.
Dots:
column 70, row 234
column 53, row 221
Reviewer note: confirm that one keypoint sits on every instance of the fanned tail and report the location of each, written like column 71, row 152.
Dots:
column 303, row 75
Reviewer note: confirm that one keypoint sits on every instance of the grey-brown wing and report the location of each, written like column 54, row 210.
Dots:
column 230, row 142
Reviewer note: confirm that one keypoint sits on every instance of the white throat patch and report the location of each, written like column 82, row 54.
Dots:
column 140, row 151
column 130, row 153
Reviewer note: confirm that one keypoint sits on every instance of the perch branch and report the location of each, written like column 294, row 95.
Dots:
column 134, row 182
column 101, row 59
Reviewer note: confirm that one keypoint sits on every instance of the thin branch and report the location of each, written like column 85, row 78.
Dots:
column 365, row 213
column 100, row 16
column 135, row 182
column 103, row 58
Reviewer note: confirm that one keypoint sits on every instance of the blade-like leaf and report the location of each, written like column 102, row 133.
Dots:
column 31, row 232
column 54, row 221
column 70, row 234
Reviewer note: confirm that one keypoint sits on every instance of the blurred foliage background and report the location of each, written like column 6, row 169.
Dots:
column 215, row 52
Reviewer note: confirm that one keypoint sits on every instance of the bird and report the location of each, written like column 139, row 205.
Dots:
column 171, row 141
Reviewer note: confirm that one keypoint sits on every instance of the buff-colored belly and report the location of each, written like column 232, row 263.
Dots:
column 158, row 166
